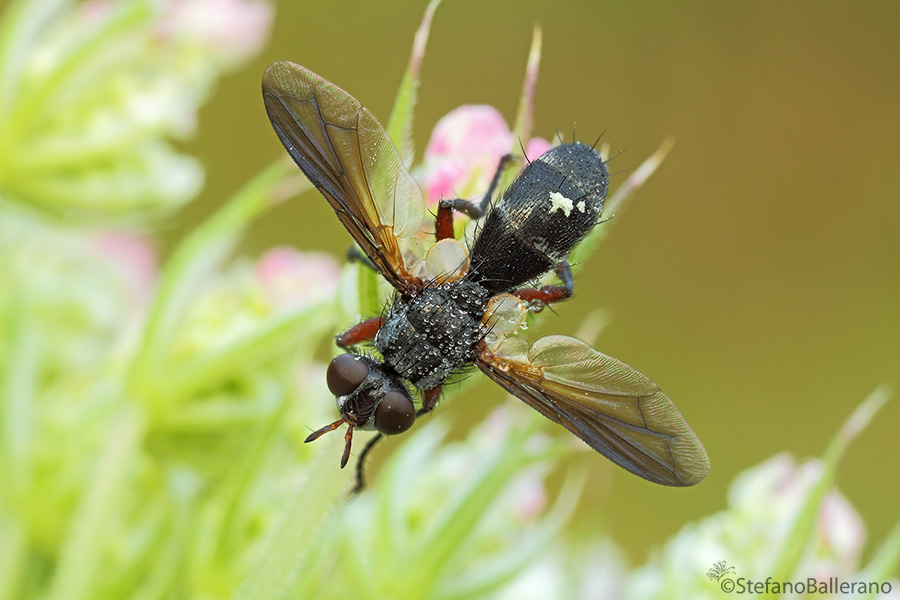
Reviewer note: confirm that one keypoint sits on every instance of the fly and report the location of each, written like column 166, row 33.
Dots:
column 458, row 306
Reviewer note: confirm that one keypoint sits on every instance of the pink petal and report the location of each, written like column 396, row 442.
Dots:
column 843, row 530
column 231, row 29
column 133, row 256
column 291, row 278
column 471, row 131
column 463, row 152
column 445, row 178
column 536, row 147
column 530, row 496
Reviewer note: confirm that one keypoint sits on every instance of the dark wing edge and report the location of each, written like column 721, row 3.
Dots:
column 348, row 156
column 613, row 408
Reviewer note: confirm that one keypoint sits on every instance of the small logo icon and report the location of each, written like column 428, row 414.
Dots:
column 718, row 570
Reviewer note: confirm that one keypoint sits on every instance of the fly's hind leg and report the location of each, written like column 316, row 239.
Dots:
column 547, row 294
column 444, row 222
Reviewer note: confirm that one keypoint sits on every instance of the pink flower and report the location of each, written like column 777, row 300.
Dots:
column 775, row 491
column 464, row 150
column 291, row 278
column 233, row 30
column 536, row 147
column 841, row 533
column 530, row 496
column 132, row 256
column 95, row 11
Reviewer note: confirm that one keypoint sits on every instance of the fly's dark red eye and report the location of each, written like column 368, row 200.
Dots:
column 395, row 414
column 345, row 373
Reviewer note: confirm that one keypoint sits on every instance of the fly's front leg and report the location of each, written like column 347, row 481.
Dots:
column 444, row 222
column 429, row 400
column 547, row 294
column 361, row 332
column 360, row 484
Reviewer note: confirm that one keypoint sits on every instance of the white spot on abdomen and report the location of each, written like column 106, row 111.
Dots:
column 560, row 202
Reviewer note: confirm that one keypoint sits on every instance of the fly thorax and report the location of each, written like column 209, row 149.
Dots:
column 427, row 337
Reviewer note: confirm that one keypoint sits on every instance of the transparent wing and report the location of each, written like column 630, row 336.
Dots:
column 350, row 158
column 618, row 411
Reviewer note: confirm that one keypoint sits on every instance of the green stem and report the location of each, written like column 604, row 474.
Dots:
column 272, row 394
column 458, row 520
column 19, row 375
column 13, row 553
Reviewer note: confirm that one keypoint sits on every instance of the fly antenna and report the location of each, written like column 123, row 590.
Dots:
column 348, row 438
column 319, row 432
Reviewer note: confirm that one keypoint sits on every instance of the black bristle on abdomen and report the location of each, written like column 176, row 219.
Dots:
column 548, row 209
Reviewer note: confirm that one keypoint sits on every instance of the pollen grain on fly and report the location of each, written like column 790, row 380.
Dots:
column 560, row 202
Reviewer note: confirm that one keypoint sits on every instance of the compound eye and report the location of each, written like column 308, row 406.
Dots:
column 395, row 414
column 345, row 373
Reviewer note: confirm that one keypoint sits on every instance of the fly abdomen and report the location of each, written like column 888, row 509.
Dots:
column 427, row 337
column 548, row 209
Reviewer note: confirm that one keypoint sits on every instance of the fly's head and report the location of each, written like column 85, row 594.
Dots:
column 368, row 397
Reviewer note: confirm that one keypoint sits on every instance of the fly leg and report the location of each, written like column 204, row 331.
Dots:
column 361, row 463
column 443, row 226
column 429, row 401
column 548, row 294
column 354, row 255
column 361, row 332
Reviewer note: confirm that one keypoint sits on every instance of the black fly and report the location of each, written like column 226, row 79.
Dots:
column 455, row 307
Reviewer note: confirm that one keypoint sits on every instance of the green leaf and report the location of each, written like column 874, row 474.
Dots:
column 22, row 23
column 487, row 577
column 790, row 552
column 457, row 520
column 886, row 561
column 200, row 252
column 266, row 339
column 293, row 540
column 126, row 19
column 400, row 123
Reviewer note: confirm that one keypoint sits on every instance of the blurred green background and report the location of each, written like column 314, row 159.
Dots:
column 755, row 278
